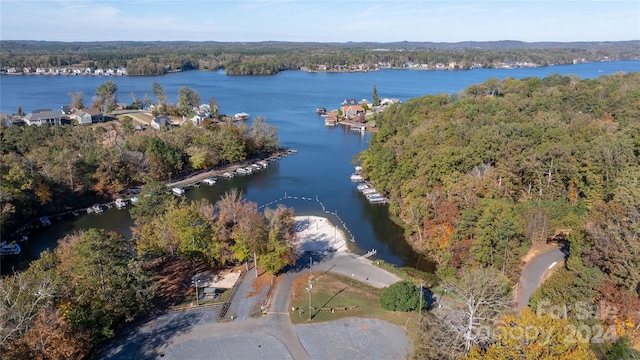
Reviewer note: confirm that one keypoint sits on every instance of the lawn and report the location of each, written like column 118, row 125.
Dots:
column 333, row 293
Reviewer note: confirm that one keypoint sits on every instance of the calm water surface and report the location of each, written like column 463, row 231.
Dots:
column 322, row 166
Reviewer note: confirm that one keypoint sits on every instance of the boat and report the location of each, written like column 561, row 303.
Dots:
column 178, row 190
column 45, row 221
column 10, row 249
column 368, row 191
column 241, row 116
column 362, row 187
column 97, row 209
column 244, row 171
column 120, row 203
column 321, row 111
column 210, row 181
column 375, row 198
column 356, row 177
column 264, row 164
column 228, row 175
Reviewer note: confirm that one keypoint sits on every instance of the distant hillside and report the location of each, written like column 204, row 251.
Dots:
column 271, row 57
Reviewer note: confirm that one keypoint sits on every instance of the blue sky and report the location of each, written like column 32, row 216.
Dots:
column 319, row 20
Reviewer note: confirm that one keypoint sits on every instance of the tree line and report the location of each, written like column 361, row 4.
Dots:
column 478, row 178
column 48, row 169
column 267, row 58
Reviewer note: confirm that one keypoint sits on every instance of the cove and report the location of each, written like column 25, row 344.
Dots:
column 321, row 167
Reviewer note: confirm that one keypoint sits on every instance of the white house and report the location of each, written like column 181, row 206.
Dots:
column 88, row 116
column 42, row 116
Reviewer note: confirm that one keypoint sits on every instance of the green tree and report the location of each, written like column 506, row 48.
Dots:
column 158, row 91
column 107, row 95
column 187, row 100
column 374, row 96
column 401, row 296
column 109, row 284
column 214, row 108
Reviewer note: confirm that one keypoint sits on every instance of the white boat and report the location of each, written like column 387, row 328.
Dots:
column 120, row 203
column 244, row 171
column 178, row 190
column 97, row 208
column 375, row 198
column 256, row 167
column 362, row 187
column 45, row 221
column 356, row 177
column 263, row 164
column 210, row 181
column 241, row 116
column 10, row 249
column 228, row 175
column 369, row 191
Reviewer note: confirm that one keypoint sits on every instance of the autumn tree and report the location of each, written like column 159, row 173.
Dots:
column 533, row 336
column 263, row 135
column 109, row 285
column 76, row 99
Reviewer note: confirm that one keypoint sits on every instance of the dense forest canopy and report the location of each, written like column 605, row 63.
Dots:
column 81, row 293
column 479, row 177
column 265, row 58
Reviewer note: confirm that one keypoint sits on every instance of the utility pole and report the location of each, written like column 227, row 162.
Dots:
column 420, row 308
column 255, row 263
column 309, row 290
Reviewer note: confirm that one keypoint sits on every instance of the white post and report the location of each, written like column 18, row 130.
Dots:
column 309, row 289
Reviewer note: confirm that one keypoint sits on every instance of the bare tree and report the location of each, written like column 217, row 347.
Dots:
column 479, row 297
column 21, row 296
column 76, row 99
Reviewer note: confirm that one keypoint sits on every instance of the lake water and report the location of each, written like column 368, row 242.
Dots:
column 322, row 166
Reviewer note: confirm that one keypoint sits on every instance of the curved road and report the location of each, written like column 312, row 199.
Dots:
column 197, row 335
column 532, row 275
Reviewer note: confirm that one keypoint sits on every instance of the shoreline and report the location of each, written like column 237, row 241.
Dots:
column 317, row 234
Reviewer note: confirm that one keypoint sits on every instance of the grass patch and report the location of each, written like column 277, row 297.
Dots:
column 409, row 274
column 332, row 291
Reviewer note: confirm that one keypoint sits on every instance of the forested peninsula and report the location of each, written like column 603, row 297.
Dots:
column 268, row 58
column 49, row 169
column 480, row 177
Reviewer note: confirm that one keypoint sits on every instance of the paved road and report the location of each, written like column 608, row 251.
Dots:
column 532, row 275
column 197, row 335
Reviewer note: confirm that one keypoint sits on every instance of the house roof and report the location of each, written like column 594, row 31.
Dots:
column 356, row 108
column 42, row 114
column 161, row 120
column 93, row 111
